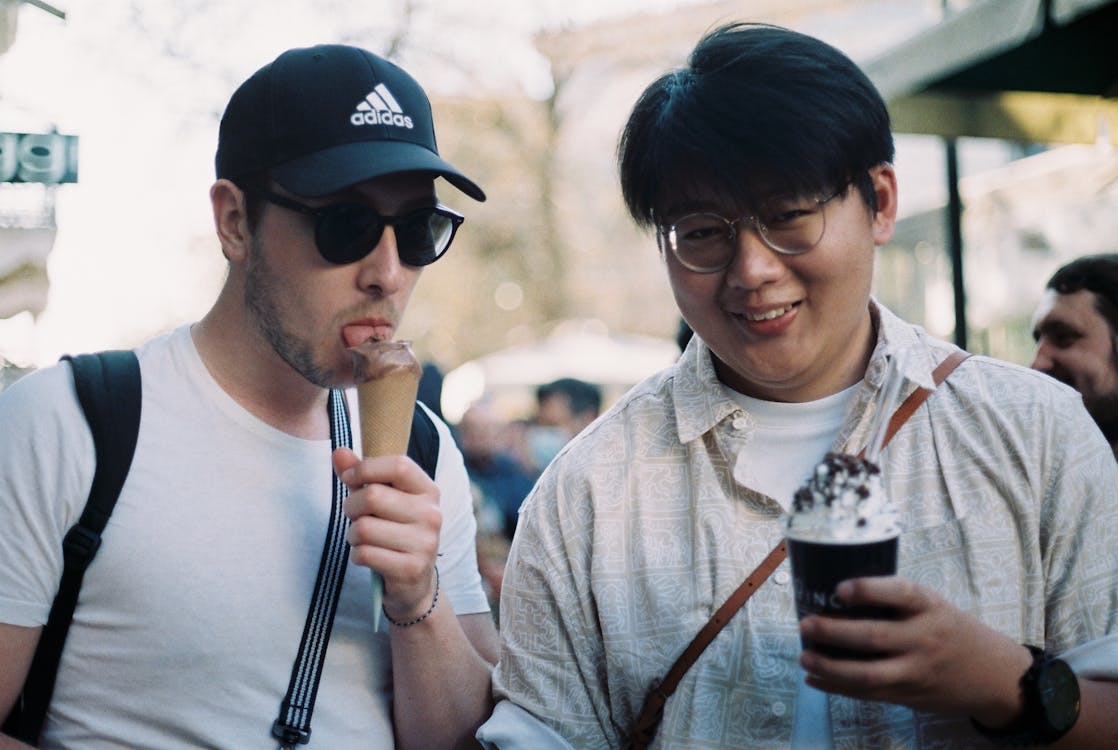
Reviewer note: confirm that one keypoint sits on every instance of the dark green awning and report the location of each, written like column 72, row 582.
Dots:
column 1042, row 71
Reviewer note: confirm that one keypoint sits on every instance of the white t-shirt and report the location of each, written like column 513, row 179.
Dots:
column 190, row 616
column 787, row 440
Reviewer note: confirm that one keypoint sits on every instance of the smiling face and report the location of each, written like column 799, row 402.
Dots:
column 309, row 310
column 790, row 327
column 1076, row 345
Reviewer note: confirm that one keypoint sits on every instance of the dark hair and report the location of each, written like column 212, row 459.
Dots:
column 1097, row 274
column 581, row 396
column 758, row 108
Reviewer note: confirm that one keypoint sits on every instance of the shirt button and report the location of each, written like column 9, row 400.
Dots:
column 739, row 423
column 779, row 709
column 782, row 577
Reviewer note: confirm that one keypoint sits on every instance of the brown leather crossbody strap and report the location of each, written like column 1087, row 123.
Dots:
column 917, row 397
column 653, row 709
column 644, row 729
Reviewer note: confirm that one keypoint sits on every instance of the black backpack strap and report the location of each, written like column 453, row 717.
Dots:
column 423, row 442
column 108, row 386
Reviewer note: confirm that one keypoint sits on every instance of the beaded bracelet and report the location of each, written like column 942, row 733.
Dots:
column 422, row 617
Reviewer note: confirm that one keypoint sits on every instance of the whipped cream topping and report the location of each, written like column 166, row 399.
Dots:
column 843, row 501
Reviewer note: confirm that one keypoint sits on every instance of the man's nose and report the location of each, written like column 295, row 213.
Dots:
column 1043, row 359
column 754, row 263
column 382, row 270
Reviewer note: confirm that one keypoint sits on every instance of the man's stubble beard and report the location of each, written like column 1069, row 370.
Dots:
column 1103, row 408
column 266, row 313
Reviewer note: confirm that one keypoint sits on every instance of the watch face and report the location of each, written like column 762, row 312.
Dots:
column 1059, row 695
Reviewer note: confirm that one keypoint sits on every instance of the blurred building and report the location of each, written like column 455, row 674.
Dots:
column 34, row 161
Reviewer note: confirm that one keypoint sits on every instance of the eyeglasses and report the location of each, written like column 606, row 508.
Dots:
column 347, row 232
column 790, row 225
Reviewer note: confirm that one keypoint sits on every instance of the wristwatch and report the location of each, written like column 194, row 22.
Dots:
column 1051, row 697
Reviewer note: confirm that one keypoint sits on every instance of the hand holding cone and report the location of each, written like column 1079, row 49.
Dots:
column 387, row 377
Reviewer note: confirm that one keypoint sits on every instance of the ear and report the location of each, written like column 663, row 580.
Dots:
column 884, row 179
column 230, row 219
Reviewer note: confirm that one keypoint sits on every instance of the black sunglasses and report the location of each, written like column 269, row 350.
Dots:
column 347, row 232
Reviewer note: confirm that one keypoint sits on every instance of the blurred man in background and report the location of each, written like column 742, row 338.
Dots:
column 1076, row 331
column 569, row 404
column 564, row 407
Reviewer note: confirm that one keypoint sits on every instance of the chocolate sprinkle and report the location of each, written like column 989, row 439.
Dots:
column 835, row 475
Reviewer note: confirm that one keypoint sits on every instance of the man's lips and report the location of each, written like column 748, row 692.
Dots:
column 357, row 332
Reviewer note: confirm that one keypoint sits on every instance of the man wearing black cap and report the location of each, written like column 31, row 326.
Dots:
column 193, row 612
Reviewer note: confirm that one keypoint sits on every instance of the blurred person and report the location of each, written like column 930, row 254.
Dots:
column 764, row 168
column 326, row 210
column 564, row 407
column 1075, row 328
column 569, row 404
column 501, row 480
column 501, row 483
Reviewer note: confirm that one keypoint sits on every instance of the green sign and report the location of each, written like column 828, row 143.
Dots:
column 49, row 158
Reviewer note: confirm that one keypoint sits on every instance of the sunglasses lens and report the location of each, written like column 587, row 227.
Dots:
column 346, row 233
column 423, row 236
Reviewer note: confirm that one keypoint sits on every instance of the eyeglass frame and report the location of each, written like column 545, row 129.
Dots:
column 320, row 213
column 668, row 233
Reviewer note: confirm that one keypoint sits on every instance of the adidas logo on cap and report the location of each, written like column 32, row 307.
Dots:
column 380, row 108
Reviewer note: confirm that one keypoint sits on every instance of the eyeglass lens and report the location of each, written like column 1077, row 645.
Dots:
column 705, row 242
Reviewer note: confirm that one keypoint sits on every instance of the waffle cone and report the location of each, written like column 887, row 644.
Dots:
column 386, row 405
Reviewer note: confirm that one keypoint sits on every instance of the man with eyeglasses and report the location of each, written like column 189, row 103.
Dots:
column 1076, row 331
column 192, row 613
column 764, row 169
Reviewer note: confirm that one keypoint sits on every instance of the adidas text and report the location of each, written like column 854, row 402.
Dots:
column 381, row 118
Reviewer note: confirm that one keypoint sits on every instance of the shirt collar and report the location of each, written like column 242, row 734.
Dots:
column 700, row 403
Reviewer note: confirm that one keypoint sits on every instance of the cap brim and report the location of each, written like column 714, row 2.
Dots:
column 334, row 169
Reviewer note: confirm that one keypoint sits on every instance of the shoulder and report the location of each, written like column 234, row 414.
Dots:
column 647, row 409
column 982, row 380
column 637, row 431
column 1020, row 415
column 169, row 354
column 1001, row 384
column 45, row 395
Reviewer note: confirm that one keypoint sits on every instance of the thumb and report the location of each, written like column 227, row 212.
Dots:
column 344, row 459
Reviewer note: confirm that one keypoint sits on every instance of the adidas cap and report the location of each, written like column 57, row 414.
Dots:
column 326, row 117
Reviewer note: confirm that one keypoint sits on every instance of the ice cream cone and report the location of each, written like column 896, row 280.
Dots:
column 387, row 376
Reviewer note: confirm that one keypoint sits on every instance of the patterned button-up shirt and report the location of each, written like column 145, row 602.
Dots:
column 644, row 525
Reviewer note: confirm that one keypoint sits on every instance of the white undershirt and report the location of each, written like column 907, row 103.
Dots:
column 788, row 440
